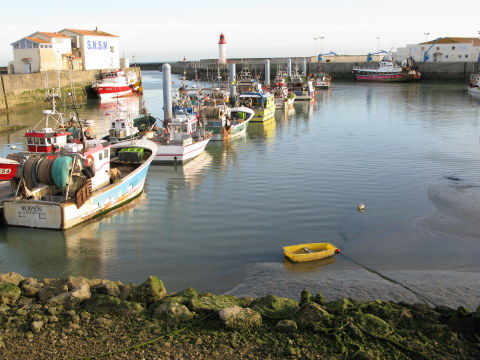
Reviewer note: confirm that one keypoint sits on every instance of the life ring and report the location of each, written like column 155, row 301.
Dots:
column 89, row 161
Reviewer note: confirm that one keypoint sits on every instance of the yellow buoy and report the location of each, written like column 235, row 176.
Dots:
column 361, row 207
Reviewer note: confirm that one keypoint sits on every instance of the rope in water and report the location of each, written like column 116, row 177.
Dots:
column 376, row 272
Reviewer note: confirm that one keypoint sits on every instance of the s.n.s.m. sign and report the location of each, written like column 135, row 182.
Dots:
column 97, row 45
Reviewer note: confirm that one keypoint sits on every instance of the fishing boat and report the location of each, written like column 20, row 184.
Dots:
column 321, row 80
column 262, row 103
column 224, row 122
column 81, row 181
column 474, row 83
column 282, row 96
column 309, row 252
column 388, row 71
column 301, row 86
column 116, row 84
column 8, row 169
column 181, row 138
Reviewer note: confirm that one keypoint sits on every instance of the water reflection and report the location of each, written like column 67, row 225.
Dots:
column 303, row 109
column 265, row 130
column 308, row 265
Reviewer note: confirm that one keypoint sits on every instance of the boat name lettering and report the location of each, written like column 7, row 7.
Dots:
column 31, row 209
column 5, row 171
column 97, row 45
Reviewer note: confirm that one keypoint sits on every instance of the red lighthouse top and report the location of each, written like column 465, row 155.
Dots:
column 222, row 39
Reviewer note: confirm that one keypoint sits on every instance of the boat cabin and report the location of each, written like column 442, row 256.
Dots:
column 46, row 140
column 256, row 100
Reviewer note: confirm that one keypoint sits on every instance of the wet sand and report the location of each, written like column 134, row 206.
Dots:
column 446, row 288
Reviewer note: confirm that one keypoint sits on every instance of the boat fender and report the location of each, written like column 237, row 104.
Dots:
column 337, row 251
column 89, row 162
column 88, row 172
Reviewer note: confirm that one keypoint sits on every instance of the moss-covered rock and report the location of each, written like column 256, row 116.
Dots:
column 9, row 293
column 105, row 304
column 11, row 277
column 372, row 324
column 172, row 312
column 288, row 326
column 310, row 313
column 207, row 303
column 340, row 306
column 275, row 306
column 150, row 291
column 182, row 297
column 320, row 299
column 306, row 297
column 238, row 318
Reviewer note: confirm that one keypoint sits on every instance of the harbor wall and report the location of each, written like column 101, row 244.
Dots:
column 23, row 91
column 208, row 69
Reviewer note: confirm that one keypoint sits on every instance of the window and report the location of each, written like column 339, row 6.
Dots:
column 100, row 156
column 105, row 153
column 36, row 141
column 446, row 56
column 466, row 56
column 29, row 140
column 459, row 56
column 438, row 47
column 453, row 47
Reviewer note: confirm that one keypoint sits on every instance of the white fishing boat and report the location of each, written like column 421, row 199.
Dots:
column 116, row 83
column 388, row 71
column 224, row 122
column 283, row 97
column 321, row 80
column 301, row 86
column 181, row 138
column 474, row 83
column 79, row 182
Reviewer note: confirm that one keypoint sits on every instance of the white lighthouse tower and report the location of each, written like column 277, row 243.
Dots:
column 222, row 50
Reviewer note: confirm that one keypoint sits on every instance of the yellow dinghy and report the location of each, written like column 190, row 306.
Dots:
column 309, row 252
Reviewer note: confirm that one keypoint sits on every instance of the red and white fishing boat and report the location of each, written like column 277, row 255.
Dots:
column 388, row 71
column 8, row 169
column 116, row 84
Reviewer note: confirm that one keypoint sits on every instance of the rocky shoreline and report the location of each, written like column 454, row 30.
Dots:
column 80, row 318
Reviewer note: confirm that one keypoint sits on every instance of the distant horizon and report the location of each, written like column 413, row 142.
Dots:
column 152, row 30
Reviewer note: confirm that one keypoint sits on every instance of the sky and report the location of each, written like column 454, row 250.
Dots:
column 158, row 30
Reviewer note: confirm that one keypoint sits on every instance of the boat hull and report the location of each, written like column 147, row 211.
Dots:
column 107, row 92
column 309, row 252
column 64, row 215
column 178, row 153
column 394, row 77
column 220, row 133
column 265, row 114
column 474, row 89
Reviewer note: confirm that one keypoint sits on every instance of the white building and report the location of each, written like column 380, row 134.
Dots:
column 67, row 49
column 41, row 51
column 97, row 49
column 446, row 49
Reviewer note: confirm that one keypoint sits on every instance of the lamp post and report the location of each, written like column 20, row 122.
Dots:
column 426, row 37
column 378, row 44
column 318, row 38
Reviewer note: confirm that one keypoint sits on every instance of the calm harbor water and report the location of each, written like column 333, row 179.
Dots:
column 409, row 152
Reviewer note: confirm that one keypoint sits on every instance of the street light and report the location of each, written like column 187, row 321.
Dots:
column 426, row 39
column 318, row 38
column 378, row 44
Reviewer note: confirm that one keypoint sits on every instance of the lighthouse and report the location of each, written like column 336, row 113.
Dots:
column 222, row 50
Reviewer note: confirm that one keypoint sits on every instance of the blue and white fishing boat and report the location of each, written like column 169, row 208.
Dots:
column 59, row 190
